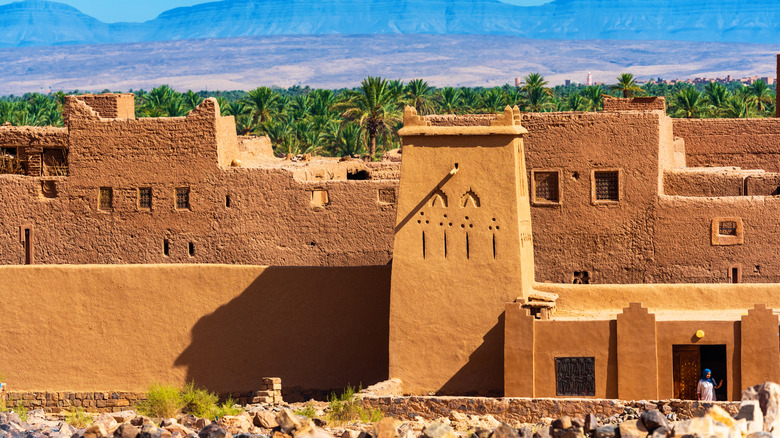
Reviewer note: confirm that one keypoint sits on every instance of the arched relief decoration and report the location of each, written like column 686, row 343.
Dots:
column 439, row 199
column 470, row 199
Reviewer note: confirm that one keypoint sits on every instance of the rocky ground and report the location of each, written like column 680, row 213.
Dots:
column 758, row 416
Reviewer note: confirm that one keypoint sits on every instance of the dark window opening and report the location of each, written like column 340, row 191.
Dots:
column 227, row 201
column 145, row 198
column 581, row 277
column 445, row 244
column 106, row 198
column 28, row 250
column 735, row 274
column 8, row 152
column 54, row 162
column 547, row 189
column 575, row 376
column 183, row 198
column 727, row 228
column 166, row 247
column 468, row 249
column 192, row 249
column 607, row 186
column 494, row 246
column 423, row 242
column 358, row 175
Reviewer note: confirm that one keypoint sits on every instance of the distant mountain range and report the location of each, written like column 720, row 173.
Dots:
column 42, row 23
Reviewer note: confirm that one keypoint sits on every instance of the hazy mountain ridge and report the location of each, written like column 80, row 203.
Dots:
column 39, row 22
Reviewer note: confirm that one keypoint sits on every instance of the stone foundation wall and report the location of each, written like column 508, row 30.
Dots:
column 531, row 410
column 270, row 392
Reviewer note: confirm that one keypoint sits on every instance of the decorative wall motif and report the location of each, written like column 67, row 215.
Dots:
column 575, row 376
column 470, row 199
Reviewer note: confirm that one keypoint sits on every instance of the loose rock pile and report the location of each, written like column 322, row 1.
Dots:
column 758, row 416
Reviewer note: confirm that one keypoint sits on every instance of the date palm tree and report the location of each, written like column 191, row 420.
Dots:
column 626, row 84
column 418, row 94
column 374, row 106
column 263, row 103
column 717, row 94
column 690, row 103
column 577, row 102
column 595, row 96
column 762, row 95
column 448, row 100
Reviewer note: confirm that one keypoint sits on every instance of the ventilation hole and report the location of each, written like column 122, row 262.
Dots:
column 468, row 252
column 166, row 247
column 227, row 201
column 423, row 237
column 456, row 165
column 445, row 244
column 192, row 249
column 494, row 247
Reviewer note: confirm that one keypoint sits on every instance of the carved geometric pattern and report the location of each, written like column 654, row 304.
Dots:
column 470, row 199
column 575, row 376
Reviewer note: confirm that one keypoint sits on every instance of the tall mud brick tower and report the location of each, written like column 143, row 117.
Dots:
column 462, row 250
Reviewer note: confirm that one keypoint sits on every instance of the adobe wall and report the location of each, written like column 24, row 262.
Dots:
column 635, row 361
column 250, row 214
column 612, row 241
column 745, row 143
column 120, row 328
column 651, row 103
column 639, row 239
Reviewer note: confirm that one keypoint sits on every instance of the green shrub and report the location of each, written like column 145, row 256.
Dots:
column 199, row 402
column 347, row 408
column 308, row 411
column 22, row 411
column 162, row 401
column 78, row 418
column 227, row 408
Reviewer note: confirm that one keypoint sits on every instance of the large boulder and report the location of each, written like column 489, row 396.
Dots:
column 768, row 396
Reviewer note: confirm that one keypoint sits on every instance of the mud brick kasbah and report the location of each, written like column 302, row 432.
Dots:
column 605, row 255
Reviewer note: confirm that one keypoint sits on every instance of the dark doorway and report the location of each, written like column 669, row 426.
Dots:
column 713, row 357
column 688, row 363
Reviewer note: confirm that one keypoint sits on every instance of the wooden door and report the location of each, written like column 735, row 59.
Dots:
column 687, row 368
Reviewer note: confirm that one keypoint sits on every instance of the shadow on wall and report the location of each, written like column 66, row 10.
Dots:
column 318, row 328
column 485, row 368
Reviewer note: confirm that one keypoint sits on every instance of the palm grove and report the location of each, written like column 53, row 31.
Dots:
column 365, row 120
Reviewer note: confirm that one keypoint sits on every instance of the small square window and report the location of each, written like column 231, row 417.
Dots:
column 607, row 186
column 183, row 198
column 727, row 228
column 727, row 231
column 545, row 187
column 145, row 198
column 106, row 201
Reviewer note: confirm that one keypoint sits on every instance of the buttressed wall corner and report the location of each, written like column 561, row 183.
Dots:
column 463, row 248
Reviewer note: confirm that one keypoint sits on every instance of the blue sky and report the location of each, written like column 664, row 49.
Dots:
column 142, row 10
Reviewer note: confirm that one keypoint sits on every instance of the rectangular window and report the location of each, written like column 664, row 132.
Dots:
column 546, row 186
column 607, row 185
column 106, row 201
column 575, row 376
column 727, row 228
column 183, row 198
column 145, row 198
column 8, row 152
